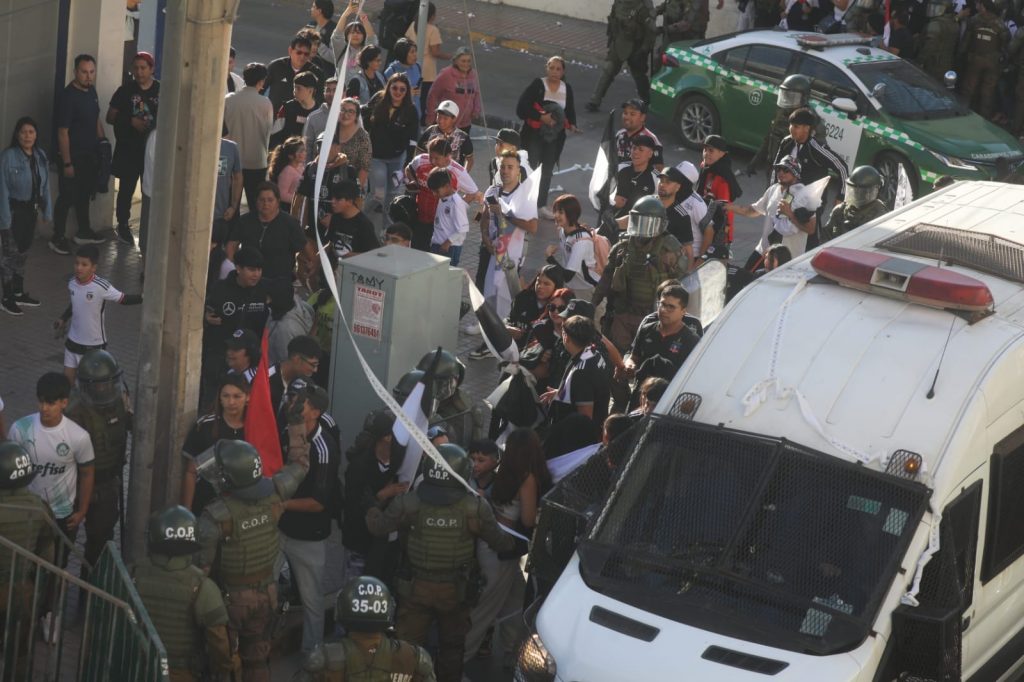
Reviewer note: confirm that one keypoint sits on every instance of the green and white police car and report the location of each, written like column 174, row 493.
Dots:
column 876, row 108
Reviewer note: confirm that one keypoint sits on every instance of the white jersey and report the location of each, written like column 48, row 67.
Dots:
column 694, row 208
column 577, row 251
column 56, row 454
column 88, row 302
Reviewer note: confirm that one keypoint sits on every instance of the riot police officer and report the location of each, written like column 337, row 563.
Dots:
column 860, row 204
column 239, row 540
column 938, row 40
column 984, row 41
column 185, row 606
column 367, row 612
column 684, row 20
column 439, row 579
column 99, row 406
column 466, row 419
column 630, row 40
column 794, row 93
column 27, row 521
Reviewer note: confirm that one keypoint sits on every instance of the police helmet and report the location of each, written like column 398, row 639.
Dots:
column 406, row 384
column 448, row 376
column 937, row 8
column 862, row 186
column 172, row 532
column 794, row 92
column 99, row 378
column 365, row 605
column 241, row 470
column 439, row 486
column 16, row 470
column 647, row 218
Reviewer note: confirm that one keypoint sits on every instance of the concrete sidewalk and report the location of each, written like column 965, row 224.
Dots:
column 541, row 33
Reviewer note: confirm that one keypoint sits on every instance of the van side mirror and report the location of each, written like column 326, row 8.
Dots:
column 926, row 643
column 949, row 80
column 845, row 105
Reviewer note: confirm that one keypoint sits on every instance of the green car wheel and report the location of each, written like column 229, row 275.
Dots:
column 696, row 118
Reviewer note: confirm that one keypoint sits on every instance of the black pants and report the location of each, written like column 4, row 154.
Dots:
column 251, row 179
column 428, row 117
column 421, row 234
column 75, row 193
column 128, row 180
column 14, row 245
column 543, row 154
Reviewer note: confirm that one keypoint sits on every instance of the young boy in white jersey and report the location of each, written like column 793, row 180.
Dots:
column 451, row 221
column 83, row 320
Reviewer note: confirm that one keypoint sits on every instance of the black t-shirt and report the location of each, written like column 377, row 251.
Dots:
column 78, row 111
column 321, row 483
column 352, row 235
column 238, row 308
column 586, row 381
column 661, row 356
column 679, row 224
column 332, row 176
column 294, row 115
column 204, row 434
column 278, row 241
column 689, row 320
column 462, row 146
column 631, row 185
column 903, row 40
column 280, row 75
column 131, row 101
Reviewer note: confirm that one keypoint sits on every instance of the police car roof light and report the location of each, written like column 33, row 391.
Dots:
column 819, row 41
column 903, row 279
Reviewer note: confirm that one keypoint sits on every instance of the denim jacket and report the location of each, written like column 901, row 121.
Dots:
column 16, row 183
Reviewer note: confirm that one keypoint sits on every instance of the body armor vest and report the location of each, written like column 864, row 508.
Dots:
column 108, row 431
column 170, row 596
column 639, row 273
column 22, row 526
column 393, row 660
column 251, row 542
column 440, row 543
column 846, row 217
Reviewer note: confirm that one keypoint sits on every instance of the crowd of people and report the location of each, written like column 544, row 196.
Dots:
column 599, row 331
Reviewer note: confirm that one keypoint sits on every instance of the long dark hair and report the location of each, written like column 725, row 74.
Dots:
column 284, row 154
column 239, row 382
column 381, row 111
column 523, row 456
column 28, row 120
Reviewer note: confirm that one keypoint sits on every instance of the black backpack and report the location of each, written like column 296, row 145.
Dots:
column 394, row 18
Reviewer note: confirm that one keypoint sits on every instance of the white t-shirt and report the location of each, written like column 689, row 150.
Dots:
column 768, row 205
column 577, row 249
column 557, row 96
column 56, row 455
column 694, row 208
column 451, row 222
column 88, row 302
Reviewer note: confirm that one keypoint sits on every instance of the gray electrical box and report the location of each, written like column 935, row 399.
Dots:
column 399, row 303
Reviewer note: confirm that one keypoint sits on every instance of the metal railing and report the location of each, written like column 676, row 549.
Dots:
column 108, row 637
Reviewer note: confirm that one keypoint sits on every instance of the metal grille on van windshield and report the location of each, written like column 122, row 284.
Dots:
column 749, row 536
column 975, row 250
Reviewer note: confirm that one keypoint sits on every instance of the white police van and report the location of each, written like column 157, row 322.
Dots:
column 833, row 485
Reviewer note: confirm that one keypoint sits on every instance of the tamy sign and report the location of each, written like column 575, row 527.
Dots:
column 367, row 312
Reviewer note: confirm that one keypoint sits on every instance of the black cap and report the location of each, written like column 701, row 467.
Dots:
column 673, row 174
column 248, row 257
column 636, row 103
column 803, row 117
column 644, row 141
column 716, row 142
column 508, row 136
column 578, row 306
column 241, row 339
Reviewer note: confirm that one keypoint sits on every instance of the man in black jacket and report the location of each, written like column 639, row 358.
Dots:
column 282, row 70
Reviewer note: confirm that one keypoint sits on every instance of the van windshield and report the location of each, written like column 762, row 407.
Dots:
column 752, row 537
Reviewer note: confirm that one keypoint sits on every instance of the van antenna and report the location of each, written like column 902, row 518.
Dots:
column 931, row 391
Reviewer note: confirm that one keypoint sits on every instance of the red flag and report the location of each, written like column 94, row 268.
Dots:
column 260, row 417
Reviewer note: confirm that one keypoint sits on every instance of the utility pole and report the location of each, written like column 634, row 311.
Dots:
column 421, row 34
column 195, row 64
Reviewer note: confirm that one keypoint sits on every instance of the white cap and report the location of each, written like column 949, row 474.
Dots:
column 448, row 107
column 689, row 170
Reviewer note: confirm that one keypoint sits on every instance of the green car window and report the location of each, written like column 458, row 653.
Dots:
column 909, row 92
column 768, row 62
column 827, row 81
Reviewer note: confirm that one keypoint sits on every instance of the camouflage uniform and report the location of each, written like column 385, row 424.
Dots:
column 846, row 217
column 938, row 46
column 630, row 40
column 348, row 659
column 984, row 42
column 684, row 20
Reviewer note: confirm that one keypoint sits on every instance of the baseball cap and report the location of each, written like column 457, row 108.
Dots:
column 644, row 141
column 146, row 57
column 448, row 107
column 689, row 171
column 241, row 339
column 636, row 103
column 790, row 164
column 803, row 117
column 578, row 306
column 672, row 174
column 508, row 136
column 716, row 142
column 248, row 257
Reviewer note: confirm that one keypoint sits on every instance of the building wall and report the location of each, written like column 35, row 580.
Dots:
column 28, row 34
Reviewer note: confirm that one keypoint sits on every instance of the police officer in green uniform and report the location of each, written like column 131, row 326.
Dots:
column 860, row 203
column 27, row 521
column 984, row 42
column 367, row 612
column 794, row 93
column 937, row 47
column 185, row 606
column 684, row 20
column 630, row 40
column 438, row 582
column 1017, row 59
column 99, row 406
column 238, row 537
column 466, row 419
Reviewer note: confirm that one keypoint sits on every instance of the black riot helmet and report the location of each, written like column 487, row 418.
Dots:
column 16, row 470
column 99, row 378
column 439, row 486
column 365, row 605
column 647, row 218
column 406, row 384
column 862, row 186
column 937, row 8
column 794, row 92
column 448, row 376
column 172, row 532
column 241, row 470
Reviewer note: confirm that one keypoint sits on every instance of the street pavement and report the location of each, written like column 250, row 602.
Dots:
column 261, row 34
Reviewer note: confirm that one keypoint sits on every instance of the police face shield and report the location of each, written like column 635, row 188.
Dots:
column 790, row 99
column 935, row 9
column 208, row 469
column 444, row 388
column 645, row 226
column 859, row 196
column 101, row 392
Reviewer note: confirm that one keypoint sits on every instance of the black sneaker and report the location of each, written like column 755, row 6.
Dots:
column 26, row 300
column 60, row 246
column 9, row 306
column 480, row 353
column 593, row 108
column 125, row 236
column 88, row 237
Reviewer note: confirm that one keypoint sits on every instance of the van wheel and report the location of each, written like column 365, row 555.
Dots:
column 887, row 164
column 696, row 118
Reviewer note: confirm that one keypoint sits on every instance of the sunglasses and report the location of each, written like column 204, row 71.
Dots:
column 555, row 308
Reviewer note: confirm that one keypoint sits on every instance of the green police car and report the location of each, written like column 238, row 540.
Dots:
column 876, row 108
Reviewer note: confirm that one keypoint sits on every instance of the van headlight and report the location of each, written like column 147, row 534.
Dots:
column 953, row 162
column 534, row 664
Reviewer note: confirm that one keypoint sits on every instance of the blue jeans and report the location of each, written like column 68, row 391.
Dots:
column 454, row 252
column 307, row 559
column 381, row 187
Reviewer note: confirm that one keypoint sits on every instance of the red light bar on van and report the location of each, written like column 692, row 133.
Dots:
column 901, row 278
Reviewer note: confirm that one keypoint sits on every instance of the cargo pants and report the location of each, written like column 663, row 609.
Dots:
column 980, row 82
column 251, row 615
column 425, row 603
column 101, row 518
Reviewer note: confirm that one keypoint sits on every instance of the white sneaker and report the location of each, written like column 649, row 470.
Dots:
column 471, row 328
column 545, row 213
column 50, row 628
